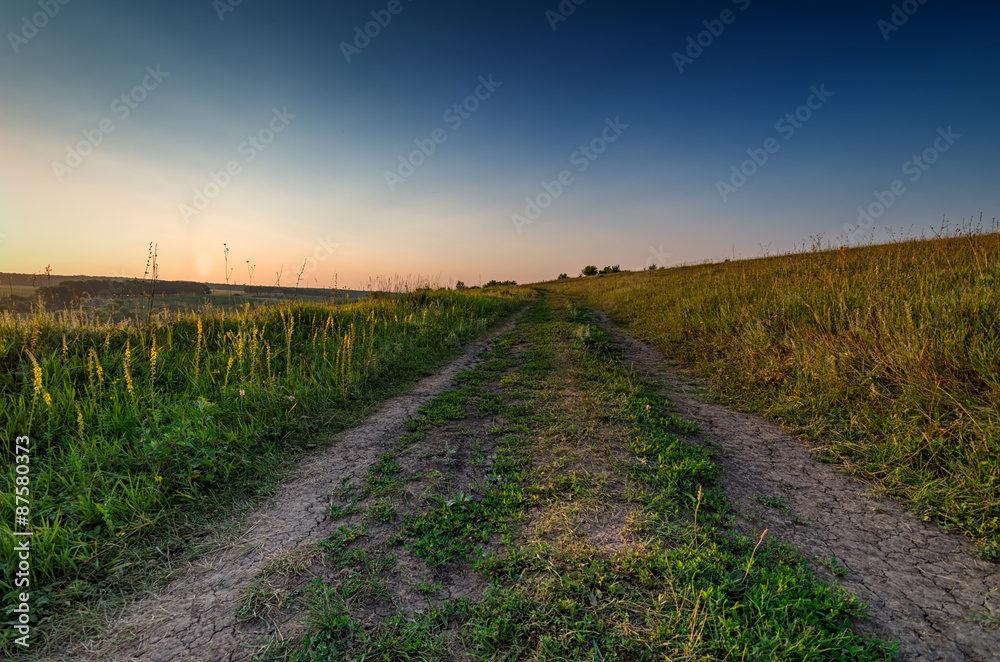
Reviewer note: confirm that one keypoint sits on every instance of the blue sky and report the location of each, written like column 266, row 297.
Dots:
column 265, row 89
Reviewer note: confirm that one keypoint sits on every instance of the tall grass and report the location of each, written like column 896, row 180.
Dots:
column 136, row 428
column 888, row 355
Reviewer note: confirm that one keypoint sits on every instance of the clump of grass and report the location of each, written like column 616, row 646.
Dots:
column 259, row 599
column 425, row 586
column 886, row 354
column 384, row 476
column 776, row 502
column 831, row 563
column 382, row 511
column 341, row 636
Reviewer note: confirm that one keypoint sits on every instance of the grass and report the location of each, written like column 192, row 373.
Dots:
column 886, row 355
column 831, row 563
column 582, row 448
column 418, row 639
column 777, row 502
column 26, row 291
column 143, row 433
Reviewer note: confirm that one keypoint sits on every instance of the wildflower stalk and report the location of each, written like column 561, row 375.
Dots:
column 153, row 354
column 39, row 387
column 197, row 351
column 288, row 344
column 127, row 362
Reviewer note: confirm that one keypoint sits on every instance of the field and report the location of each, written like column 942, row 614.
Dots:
column 140, row 432
column 887, row 356
column 545, row 500
column 122, row 308
column 222, row 300
column 26, row 291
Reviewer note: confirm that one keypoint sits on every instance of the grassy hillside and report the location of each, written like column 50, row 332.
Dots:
column 888, row 356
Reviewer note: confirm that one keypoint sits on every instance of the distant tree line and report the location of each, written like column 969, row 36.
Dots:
column 493, row 283
column 278, row 291
column 72, row 290
column 591, row 270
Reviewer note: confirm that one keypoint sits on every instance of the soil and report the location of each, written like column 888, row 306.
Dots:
column 925, row 588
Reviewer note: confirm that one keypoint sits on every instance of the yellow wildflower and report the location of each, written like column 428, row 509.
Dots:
column 152, row 360
column 37, row 370
column 128, row 368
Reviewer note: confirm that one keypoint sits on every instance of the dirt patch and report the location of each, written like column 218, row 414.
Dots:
column 193, row 618
column 606, row 527
column 927, row 589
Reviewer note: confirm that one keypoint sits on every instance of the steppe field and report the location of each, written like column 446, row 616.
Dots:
column 787, row 458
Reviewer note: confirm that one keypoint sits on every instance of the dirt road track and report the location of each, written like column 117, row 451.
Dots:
column 925, row 588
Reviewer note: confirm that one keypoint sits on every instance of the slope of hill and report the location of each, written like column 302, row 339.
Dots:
column 887, row 356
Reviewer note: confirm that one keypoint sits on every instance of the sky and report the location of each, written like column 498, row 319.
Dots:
column 328, row 143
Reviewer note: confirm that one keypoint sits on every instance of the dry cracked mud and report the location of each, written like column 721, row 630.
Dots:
column 194, row 616
column 925, row 588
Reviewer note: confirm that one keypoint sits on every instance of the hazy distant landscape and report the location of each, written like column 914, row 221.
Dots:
column 25, row 291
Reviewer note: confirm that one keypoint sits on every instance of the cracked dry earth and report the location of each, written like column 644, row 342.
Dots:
column 925, row 589
column 193, row 617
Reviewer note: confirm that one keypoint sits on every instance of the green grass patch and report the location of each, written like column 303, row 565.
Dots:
column 340, row 636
